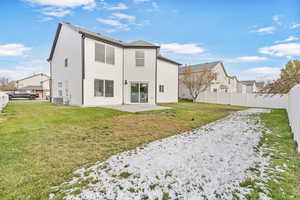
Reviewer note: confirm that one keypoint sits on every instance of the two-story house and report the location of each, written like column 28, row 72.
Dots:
column 222, row 83
column 253, row 86
column 36, row 83
column 89, row 69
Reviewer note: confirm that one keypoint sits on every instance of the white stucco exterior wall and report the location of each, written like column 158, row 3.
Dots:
column 98, row 70
column 68, row 46
column 132, row 73
column 167, row 75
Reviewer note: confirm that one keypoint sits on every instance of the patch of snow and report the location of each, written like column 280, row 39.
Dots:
column 205, row 163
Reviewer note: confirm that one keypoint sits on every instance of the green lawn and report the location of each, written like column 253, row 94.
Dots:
column 285, row 185
column 42, row 144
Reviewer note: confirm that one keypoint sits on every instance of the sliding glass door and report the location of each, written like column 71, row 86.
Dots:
column 139, row 92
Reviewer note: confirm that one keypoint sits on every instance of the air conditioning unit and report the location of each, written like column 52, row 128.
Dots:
column 58, row 100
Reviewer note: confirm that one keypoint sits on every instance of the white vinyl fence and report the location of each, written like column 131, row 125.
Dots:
column 290, row 102
column 3, row 100
column 247, row 99
column 294, row 112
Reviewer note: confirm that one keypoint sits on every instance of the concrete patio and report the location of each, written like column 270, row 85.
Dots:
column 136, row 107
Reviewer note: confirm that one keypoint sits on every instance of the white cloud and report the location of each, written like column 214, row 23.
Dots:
column 289, row 49
column 182, row 48
column 246, row 59
column 87, row 4
column 13, row 49
column 264, row 70
column 26, row 68
column 55, row 12
column 140, row 1
column 113, row 23
column 267, row 30
column 289, row 39
column 294, row 26
column 276, row 19
column 119, row 6
column 124, row 16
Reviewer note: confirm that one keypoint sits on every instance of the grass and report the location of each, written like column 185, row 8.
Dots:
column 42, row 144
column 286, row 184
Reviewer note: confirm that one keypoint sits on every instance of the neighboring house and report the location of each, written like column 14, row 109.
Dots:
column 89, row 69
column 241, row 88
column 252, row 86
column 222, row 83
column 37, row 83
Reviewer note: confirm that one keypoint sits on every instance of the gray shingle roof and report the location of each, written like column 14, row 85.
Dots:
column 140, row 43
column 200, row 67
column 167, row 59
column 98, row 36
column 248, row 83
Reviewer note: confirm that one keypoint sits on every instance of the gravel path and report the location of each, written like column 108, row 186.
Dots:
column 206, row 163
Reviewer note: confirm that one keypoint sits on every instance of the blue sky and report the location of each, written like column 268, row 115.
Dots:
column 253, row 38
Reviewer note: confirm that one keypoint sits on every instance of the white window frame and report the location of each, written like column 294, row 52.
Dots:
column 60, row 90
column 139, row 58
column 105, row 54
column 104, row 88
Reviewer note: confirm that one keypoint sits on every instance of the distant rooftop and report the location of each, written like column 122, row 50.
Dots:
column 200, row 67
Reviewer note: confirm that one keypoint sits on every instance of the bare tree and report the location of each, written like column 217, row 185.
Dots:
column 281, row 85
column 197, row 82
column 7, row 84
column 289, row 77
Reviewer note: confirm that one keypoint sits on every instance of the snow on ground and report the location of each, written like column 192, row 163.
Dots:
column 205, row 163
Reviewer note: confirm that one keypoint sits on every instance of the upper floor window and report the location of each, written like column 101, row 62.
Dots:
column 66, row 62
column 100, row 52
column 104, row 54
column 110, row 55
column 140, row 58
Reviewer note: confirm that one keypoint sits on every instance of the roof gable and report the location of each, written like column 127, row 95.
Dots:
column 200, row 67
column 40, row 74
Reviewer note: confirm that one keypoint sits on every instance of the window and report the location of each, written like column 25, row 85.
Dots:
column 161, row 88
column 100, row 52
column 98, row 88
column 109, row 88
column 104, row 53
column 59, row 84
column 215, row 90
column 140, row 58
column 103, row 88
column 110, row 55
column 66, row 62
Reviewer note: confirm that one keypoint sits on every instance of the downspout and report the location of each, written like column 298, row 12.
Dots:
column 178, row 83
column 83, row 68
column 50, row 81
column 156, row 78
column 123, row 80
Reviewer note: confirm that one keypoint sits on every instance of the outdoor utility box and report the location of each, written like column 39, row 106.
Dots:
column 58, row 101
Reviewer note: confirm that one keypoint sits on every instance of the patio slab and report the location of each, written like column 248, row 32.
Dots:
column 136, row 107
